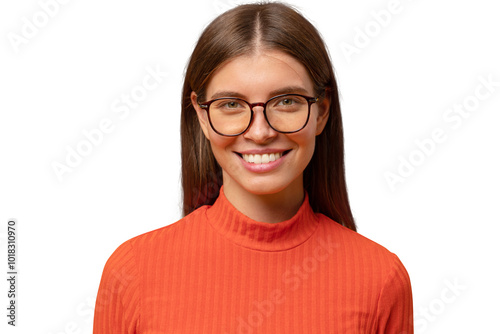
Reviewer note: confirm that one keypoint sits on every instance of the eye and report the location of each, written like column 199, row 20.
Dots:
column 229, row 104
column 289, row 102
column 286, row 101
column 232, row 104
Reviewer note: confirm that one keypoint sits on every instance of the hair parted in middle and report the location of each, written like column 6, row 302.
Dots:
column 244, row 30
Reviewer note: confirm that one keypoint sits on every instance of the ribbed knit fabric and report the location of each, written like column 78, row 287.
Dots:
column 218, row 271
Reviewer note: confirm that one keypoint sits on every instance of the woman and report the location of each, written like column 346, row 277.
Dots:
column 268, row 241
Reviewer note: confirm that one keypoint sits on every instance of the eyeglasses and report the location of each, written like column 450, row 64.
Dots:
column 231, row 116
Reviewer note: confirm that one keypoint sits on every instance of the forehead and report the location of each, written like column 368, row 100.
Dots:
column 259, row 74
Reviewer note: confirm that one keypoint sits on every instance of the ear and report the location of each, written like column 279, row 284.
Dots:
column 202, row 115
column 323, row 113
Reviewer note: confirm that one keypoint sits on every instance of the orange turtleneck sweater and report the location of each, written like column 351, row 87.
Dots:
column 218, row 271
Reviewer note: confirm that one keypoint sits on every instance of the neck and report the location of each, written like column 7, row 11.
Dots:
column 268, row 208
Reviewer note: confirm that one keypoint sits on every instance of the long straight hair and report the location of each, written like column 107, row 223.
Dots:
column 273, row 26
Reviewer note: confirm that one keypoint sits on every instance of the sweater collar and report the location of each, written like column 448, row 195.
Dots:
column 249, row 233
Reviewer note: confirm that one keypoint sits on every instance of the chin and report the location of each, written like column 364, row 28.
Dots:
column 258, row 190
column 270, row 188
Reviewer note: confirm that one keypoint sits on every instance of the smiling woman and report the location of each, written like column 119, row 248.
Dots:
column 271, row 191
column 268, row 243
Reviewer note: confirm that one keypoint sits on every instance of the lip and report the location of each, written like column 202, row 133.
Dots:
column 262, row 168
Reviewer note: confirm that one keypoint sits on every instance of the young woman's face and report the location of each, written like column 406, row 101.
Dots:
column 257, row 78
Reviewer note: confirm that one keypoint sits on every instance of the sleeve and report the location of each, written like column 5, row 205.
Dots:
column 117, row 304
column 395, row 305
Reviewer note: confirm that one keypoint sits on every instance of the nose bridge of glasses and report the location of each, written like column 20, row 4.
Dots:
column 255, row 115
column 258, row 104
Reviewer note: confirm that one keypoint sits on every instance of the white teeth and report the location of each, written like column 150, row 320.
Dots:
column 262, row 158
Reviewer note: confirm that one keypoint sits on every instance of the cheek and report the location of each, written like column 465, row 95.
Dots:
column 220, row 146
column 308, row 145
column 306, row 137
column 306, row 142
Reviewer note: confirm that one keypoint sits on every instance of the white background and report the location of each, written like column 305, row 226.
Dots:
column 442, row 221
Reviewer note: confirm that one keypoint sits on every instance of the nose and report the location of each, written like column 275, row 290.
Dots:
column 259, row 131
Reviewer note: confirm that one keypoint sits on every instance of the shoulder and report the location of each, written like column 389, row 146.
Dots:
column 134, row 251
column 130, row 264
column 359, row 259
column 358, row 251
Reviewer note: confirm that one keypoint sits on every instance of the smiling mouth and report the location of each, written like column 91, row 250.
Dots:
column 262, row 158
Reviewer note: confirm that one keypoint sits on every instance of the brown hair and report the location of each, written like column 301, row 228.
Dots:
column 238, row 31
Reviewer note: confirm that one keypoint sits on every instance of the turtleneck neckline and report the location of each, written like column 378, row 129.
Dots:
column 249, row 233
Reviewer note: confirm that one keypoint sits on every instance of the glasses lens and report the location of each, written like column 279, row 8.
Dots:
column 230, row 116
column 287, row 113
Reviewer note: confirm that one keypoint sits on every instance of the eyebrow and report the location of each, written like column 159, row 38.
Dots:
column 279, row 91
